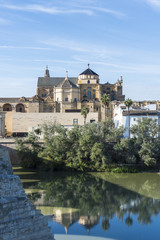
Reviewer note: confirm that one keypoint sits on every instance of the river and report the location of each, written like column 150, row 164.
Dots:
column 96, row 205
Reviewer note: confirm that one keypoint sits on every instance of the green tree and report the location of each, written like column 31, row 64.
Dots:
column 128, row 102
column 105, row 101
column 145, row 134
column 55, row 145
column 84, row 113
column 147, row 153
column 29, row 150
column 126, row 151
column 145, row 130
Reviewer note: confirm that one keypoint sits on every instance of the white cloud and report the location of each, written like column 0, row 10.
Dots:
column 48, row 10
column 23, row 47
column 108, row 11
column 4, row 21
column 154, row 3
column 70, row 8
column 81, row 47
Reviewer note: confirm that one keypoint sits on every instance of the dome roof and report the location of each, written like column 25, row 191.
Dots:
column 88, row 71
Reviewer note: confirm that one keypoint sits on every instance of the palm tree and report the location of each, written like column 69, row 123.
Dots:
column 84, row 112
column 105, row 100
column 128, row 102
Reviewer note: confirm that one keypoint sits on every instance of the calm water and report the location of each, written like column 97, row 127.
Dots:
column 121, row 206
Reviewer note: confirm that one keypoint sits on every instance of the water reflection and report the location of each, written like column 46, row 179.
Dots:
column 92, row 202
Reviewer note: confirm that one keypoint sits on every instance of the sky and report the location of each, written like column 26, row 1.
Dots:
column 116, row 37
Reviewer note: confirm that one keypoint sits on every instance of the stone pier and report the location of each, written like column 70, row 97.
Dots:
column 19, row 220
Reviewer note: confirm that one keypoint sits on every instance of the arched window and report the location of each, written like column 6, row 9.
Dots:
column 7, row 107
column 89, row 94
column 20, row 108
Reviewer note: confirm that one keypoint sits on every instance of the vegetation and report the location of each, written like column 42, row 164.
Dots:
column 128, row 102
column 93, row 147
column 84, row 113
column 105, row 100
column 28, row 150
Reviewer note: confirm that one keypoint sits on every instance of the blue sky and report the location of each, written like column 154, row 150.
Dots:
column 117, row 37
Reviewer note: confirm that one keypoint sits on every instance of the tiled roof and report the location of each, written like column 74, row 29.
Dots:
column 88, row 71
column 10, row 100
column 67, row 84
column 53, row 82
column 140, row 113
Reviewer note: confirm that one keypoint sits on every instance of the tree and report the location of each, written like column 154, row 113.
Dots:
column 105, row 100
column 55, row 145
column 128, row 102
column 145, row 134
column 84, row 112
column 145, row 129
column 29, row 150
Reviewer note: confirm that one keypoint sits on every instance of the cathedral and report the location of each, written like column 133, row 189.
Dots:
column 60, row 100
column 66, row 94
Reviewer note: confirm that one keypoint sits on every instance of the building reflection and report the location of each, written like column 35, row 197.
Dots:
column 88, row 222
column 66, row 219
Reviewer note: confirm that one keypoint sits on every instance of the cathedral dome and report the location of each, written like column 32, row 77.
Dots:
column 88, row 71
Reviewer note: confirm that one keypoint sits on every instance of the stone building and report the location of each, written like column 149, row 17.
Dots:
column 65, row 95
column 70, row 94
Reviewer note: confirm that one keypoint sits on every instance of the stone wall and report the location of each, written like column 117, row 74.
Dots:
column 19, row 220
column 2, row 124
column 10, row 146
column 21, row 122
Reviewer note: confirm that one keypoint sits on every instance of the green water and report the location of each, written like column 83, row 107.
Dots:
column 115, row 206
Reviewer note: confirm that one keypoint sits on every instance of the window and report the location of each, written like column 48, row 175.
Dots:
column 134, row 119
column 94, row 96
column 7, row 107
column 89, row 88
column 43, row 94
column 75, row 100
column 88, row 81
column 92, row 120
column 112, row 97
column 84, row 91
column 66, row 99
column 108, row 89
column 89, row 94
column 75, row 121
column 94, row 90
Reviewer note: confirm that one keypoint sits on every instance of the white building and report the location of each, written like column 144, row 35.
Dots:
column 121, row 117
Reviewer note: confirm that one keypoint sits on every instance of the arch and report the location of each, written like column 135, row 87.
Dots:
column 7, row 107
column 20, row 107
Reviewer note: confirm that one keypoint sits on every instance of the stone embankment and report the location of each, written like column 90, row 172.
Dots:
column 19, row 220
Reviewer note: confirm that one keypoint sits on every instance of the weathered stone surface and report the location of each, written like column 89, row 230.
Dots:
column 19, row 220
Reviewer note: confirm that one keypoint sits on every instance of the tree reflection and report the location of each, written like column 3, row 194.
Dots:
column 97, row 198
